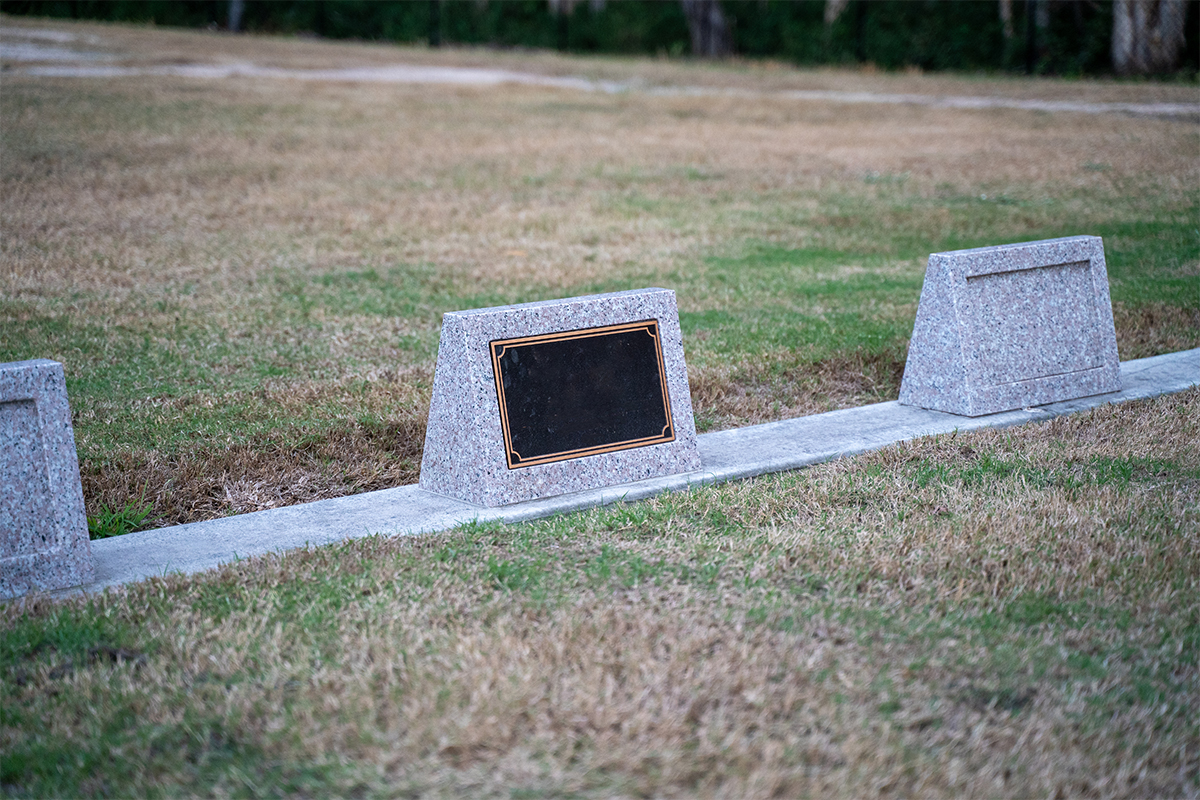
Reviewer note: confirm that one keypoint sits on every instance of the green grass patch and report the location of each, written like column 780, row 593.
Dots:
column 115, row 522
column 804, row 593
column 246, row 288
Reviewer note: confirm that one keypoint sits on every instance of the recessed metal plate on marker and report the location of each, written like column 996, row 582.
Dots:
column 580, row 393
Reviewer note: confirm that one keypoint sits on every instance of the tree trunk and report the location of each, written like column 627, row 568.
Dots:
column 236, row 8
column 1147, row 36
column 710, row 32
column 833, row 10
column 435, row 23
column 1030, row 37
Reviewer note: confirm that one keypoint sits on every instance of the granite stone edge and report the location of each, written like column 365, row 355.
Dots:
column 478, row 473
column 68, row 558
column 942, row 370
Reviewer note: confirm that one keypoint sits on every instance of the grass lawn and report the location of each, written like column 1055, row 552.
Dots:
column 244, row 279
column 1004, row 614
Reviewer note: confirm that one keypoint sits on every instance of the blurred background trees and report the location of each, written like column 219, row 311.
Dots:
column 1148, row 36
column 1062, row 37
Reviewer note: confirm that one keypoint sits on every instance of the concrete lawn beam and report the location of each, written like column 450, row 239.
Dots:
column 726, row 455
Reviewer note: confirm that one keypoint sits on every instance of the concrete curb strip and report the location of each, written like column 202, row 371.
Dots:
column 726, row 455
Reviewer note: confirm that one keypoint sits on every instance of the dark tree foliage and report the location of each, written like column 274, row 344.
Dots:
column 892, row 34
column 178, row 13
column 930, row 34
column 630, row 28
column 1191, row 51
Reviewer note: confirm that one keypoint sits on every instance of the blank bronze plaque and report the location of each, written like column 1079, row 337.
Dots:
column 581, row 393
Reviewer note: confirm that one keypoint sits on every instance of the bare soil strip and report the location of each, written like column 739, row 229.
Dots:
column 56, row 61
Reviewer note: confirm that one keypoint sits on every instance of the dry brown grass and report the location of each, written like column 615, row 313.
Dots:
column 764, row 390
column 1155, row 328
column 282, row 469
column 1007, row 613
column 374, row 443
column 503, row 184
column 845, row 631
column 198, row 216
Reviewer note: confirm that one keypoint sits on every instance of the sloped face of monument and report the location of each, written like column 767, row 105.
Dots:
column 43, row 531
column 549, row 398
column 1013, row 326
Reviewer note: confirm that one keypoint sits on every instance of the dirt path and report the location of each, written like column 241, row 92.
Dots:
column 47, row 53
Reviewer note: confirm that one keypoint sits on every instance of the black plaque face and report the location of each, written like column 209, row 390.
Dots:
column 580, row 393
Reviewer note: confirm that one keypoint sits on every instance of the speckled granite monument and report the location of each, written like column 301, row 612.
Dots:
column 542, row 399
column 1012, row 326
column 43, row 531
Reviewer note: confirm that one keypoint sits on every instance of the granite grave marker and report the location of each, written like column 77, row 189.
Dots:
column 1012, row 326
column 43, row 530
column 541, row 399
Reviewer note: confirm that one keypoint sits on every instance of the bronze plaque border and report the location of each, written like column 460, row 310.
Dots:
column 497, row 347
